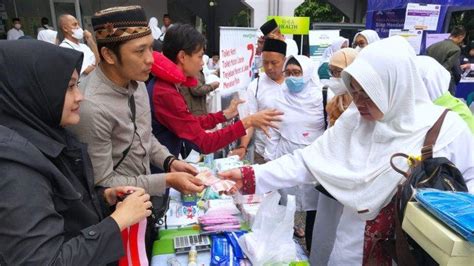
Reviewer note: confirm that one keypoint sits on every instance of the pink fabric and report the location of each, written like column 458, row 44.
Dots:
column 133, row 239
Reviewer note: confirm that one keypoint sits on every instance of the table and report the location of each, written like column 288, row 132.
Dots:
column 464, row 89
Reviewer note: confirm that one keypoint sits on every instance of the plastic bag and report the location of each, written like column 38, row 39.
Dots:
column 455, row 209
column 271, row 239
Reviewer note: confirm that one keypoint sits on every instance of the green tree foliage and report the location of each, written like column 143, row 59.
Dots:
column 319, row 11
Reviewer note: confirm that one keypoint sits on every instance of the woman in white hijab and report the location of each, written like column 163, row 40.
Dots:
column 303, row 122
column 155, row 30
column 338, row 44
column 350, row 160
column 437, row 79
column 48, row 36
column 364, row 38
column 301, row 99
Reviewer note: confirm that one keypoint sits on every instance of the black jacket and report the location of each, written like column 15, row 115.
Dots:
column 50, row 212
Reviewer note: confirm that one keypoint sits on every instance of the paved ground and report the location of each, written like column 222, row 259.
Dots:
column 300, row 220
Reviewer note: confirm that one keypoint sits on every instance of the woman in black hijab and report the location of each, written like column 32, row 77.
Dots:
column 50, row 211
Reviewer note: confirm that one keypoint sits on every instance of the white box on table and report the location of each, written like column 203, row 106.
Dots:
column 443, row 244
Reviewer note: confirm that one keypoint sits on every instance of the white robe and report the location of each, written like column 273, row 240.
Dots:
column 302, row 123
column 346, row 230
column 264, row 98
column 351, row 159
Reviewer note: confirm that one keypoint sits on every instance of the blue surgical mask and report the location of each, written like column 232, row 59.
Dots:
column 295, row 84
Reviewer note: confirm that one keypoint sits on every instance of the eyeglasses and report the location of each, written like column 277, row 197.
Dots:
column 293, row 73
column 361, row 44
column 358, row 95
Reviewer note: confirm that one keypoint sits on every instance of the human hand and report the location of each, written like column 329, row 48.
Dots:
column 233, row 175
column 263, row 119
column 112, row 194
column 276, row 36
column 89, row 69
column 184, row 182
column 214, row 85
column 134, row 208
column 87, row 35
column 232, row 110
column 466, row 67
column 182, row 166
column 240, row 151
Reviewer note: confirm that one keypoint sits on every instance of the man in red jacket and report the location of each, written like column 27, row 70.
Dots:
column 180, row 63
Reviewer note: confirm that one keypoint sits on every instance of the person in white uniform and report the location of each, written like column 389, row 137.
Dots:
column 329, row 209
column 262, row 93
column 437, row 80
column 15, row 33
column 48, row 36
column 270, row 29
column 69, row 26
column 155, row 29
column 364, row 38
column 303, row 122
column 323, row 70
column 391, row 113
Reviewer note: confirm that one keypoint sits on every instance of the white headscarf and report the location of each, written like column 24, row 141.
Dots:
column 370, row 35
column 335, row 46
column 351, row 160
column 434, row 75
column 48, row 35
column 155, row 30
column 307, row 103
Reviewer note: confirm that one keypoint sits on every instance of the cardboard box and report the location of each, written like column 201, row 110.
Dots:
column 437, row 239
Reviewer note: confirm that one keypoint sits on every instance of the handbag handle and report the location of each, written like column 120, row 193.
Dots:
column 398, row 170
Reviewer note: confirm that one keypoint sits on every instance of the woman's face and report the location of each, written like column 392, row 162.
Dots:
column 335, row 71
column 367, row 108
column 70, row 115
column 471, row 52
column 293, row 71
column 361, row 41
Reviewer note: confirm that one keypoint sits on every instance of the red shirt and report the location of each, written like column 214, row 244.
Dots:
column 172, row 112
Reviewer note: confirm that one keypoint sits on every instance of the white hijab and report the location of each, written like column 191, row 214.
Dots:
column 434, row 75
column 48, row 35
column 155, row 30
column 335, row 46
column 307, row 103
column 351, row 160
column 370, row 35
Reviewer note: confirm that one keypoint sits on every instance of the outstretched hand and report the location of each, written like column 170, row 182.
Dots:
column 232, row 111
column 234, row 175
column 263, row 120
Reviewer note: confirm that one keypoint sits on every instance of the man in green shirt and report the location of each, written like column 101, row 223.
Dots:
column 448, row 53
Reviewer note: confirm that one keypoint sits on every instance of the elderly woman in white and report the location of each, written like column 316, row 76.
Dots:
column 302, row 123
column 350, row 160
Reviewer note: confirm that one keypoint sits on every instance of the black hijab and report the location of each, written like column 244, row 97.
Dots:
column 34, row 78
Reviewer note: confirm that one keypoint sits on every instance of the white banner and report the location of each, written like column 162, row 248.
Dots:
column 319, row 40
column 413, row 37
column 236, row 55
column 422, row 16
column 237, row 52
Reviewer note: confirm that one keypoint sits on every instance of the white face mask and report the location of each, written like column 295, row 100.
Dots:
column 78, row 33
column 337, row 86
column 17, row 26
column 358, row 49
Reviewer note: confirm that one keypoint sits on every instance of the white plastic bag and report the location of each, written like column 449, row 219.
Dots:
column 271, row 239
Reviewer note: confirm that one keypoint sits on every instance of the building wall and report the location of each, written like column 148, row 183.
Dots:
column 31, row 11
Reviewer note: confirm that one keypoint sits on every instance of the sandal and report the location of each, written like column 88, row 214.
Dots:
column 298, row 232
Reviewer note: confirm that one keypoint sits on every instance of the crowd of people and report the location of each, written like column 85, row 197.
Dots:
column 86, row 145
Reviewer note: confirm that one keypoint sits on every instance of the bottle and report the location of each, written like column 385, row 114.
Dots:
column 192, row 256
